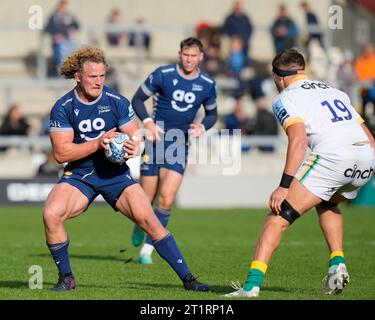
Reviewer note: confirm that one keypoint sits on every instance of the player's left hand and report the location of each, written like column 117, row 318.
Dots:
column 276, row 198
column 132, row 148
column 196, row 130
column 106, row 138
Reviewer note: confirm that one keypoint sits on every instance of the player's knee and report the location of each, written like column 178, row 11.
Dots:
column 165, row 201
column 149, row 224
column 288, row 212
column 144, row 221
column 52, row 215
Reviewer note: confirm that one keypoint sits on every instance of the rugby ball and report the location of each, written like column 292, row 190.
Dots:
column 116, row 152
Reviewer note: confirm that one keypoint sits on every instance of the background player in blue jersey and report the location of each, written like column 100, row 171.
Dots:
column 81, row 123
column 178, row 92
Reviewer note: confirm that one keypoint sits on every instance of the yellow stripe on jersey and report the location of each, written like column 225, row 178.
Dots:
column 259, row 265
column 308, row 167
column 360, row 120
column 292, row 121
column 298, row 78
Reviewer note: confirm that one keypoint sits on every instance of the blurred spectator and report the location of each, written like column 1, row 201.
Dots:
column 347, row 76
column 365, row 68
column 14, row 123
column 236, row 63
column 140, row 37
column 212, row 62
column 365, row 63
column 203, row 30
column 49, row 167
column 61, row 26
column 114, row 37
column 253, row 86
column 45, row 125
column 237, row 119
column 237, row 58
column 210, row 36
column 284, row 31
column 265, row 124
column 237, row 23
column 112, row 79
column 314, row 31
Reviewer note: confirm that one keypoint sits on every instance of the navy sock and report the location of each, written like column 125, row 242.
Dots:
column 60, row 255
column 163, row 216
column 169, row 251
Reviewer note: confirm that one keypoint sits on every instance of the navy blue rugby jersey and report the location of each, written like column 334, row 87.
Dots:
column 176, row 98
column 91, row 120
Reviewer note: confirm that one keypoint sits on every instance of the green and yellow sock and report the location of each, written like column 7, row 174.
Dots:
column 255, row 276
column 336, row 258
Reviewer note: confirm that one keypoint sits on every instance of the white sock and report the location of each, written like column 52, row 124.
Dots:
column 146, row 250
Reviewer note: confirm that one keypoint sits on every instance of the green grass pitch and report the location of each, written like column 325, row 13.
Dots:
column 217, row 244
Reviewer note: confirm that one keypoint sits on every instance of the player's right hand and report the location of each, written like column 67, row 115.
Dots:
column 276, row 198
column 106, row 138
column 153, row 131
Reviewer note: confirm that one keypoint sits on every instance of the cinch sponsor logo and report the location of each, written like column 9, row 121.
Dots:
column 354, row 173
column 315, row 85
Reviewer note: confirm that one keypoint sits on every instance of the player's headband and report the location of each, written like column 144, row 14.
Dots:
column 284, row 73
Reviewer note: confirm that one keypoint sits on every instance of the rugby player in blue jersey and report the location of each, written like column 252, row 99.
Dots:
column 178, row 92
column 81, row 123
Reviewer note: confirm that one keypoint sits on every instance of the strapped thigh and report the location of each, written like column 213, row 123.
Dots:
column 288, row 212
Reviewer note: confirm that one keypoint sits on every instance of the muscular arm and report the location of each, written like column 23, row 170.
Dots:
column 197, row 129
column 138, row 103
column 131, row 128
column 210, row 118
column 297, row 144
column 295, row 155
column 64, row 150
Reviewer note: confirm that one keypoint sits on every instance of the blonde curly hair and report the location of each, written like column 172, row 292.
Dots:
column 74, row 63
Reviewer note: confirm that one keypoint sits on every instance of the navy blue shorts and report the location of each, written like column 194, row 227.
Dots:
column 91, row 183
column 171, row 156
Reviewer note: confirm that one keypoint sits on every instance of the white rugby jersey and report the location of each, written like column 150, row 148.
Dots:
column 331, row 122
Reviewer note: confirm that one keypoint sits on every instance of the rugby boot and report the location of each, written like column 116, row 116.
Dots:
column 65, row 283
column 192, row 284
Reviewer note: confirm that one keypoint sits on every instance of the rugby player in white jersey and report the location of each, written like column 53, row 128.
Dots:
column 341, row 159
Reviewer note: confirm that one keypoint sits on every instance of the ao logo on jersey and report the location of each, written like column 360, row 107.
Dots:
column 88, row 126
column 182, row 96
